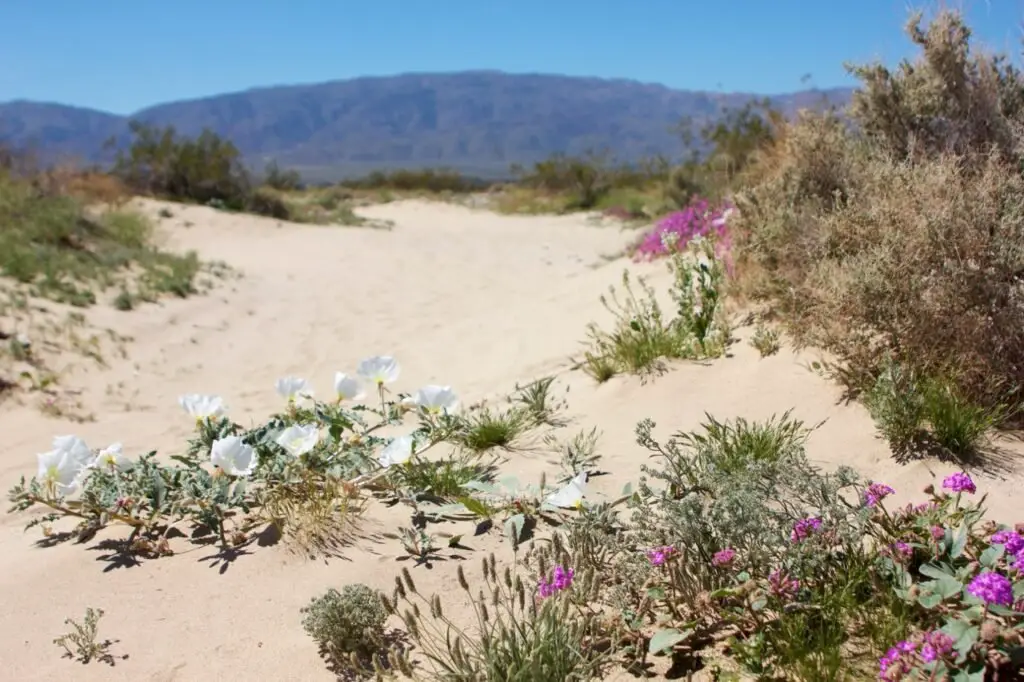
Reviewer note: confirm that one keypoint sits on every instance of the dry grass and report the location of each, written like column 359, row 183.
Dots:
column 907, row 240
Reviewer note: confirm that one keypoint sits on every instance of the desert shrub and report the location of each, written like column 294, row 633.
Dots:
column 765, row 340
column 643, row 336
column 281, row 179
column 902, row 237
column 517, row 634
column 348, row 625
column 52, row 244
column 264, row 202
column 432, row 180
column 206, row 169
column 915, row 413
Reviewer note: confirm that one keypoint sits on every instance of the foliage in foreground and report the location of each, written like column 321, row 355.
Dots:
column 737, row 551
column 642, row 336
column 82, row 643
column 348, row 626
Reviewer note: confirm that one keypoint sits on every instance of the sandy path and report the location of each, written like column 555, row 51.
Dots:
column 461, row 297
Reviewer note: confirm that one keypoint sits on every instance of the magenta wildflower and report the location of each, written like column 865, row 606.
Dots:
column 876, row 492
column 660, row 555
column 935, row 645
column 723, row 557
column 1013, row 541
column 698, row 219
column 804, row 528
column 897, row 661
column 938, row 533
column 959, row 482
column 561, row 580
column 782, row 585
column 992, row 588
column 902, row 552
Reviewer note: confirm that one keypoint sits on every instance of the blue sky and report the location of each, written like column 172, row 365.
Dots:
column 122, row 55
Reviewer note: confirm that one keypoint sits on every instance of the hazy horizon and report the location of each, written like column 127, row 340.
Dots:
column 121, row 58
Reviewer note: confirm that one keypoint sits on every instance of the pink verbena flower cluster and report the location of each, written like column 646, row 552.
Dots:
column 697, row 219
column 902, row 658
column 659, row 555
column 804, row 528
column 723, row 557
column 560, row 580
column 876, row 492
column 960, row 482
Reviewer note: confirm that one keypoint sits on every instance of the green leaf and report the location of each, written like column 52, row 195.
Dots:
column 627, row 490
column 656, row 593
column 666, row 639
column 759, row 604
column 929, row 599
column 514, row 528
column 948, row 587
column 157, row 491
column 959, row 542
column 975, row 672
column 933, row 571
column 992, row 555
column 476, row 507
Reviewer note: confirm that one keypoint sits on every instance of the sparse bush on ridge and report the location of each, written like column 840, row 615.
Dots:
column 901, row 237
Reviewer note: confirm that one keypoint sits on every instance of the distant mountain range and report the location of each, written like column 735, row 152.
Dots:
column 474, row 121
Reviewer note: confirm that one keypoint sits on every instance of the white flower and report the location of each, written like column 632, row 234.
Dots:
column 62, row 468
column 571, row 495
column 379, row 370
column 299, row 439
column 112, row 458
column 348, row 388
column 202, row 407
column 234, row 457
column 294, row 389
column 437, row 399
column 398, row 451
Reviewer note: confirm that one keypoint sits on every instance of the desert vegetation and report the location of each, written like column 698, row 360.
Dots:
column 891, row 240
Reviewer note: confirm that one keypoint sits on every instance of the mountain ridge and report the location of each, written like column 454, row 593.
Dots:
column 480, row 119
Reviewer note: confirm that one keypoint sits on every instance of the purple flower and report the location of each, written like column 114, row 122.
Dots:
column 660, row 555
column 876, row 492
column 992, row 588
column 936, row 644
column 698, row 219
column 959, row 482
column 1018, row 560
column 803, row 529
column 1012, row 540
column 723, row 558
column 896, row 662
column 782, row 585
column 938, row 533
column 561, row 580
column 902, row 552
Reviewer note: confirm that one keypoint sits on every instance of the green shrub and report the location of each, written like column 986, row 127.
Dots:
column 348, row 625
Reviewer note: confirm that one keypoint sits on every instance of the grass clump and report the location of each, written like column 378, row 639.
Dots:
column 901, row 237
column 916, row 414
column 52, row 245
column 515, row 636
column 642, row 336
column 348, row 626
column 766, row 340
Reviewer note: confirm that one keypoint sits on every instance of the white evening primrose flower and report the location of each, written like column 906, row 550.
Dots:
column 112, row 458
column 437, row 399
column 294, row 389
column 570, row 495
column 398, row 451
column 202, row 407
column 379, row 370
column 61, row 469
column 298, row 439
column 348, row 388
column 232, row 456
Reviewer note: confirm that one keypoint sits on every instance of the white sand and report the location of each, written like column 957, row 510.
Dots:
column 460, row 297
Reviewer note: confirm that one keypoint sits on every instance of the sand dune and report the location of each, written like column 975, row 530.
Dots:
column 460, row 297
